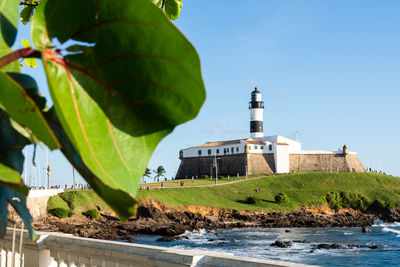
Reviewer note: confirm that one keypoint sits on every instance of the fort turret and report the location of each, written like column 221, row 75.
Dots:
column 256, row 107
column 345, row 150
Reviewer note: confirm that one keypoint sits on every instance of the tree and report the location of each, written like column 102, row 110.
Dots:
column 160, row 172
column 147, row 173
column 117, row 90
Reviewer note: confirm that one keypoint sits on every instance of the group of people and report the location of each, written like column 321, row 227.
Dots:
column 80, row 186
column 375, row 171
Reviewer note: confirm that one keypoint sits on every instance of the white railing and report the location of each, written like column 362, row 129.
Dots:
column 55, row 249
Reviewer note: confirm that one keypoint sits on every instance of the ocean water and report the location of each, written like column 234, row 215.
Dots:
column 256, row 243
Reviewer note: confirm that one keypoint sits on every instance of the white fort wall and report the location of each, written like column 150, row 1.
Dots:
column 237, row 149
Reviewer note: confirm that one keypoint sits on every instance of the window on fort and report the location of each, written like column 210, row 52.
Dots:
column 261, row 147
column 209, row 152
column 270, row 147
column 255, row 147
column 217, row 151
column 199, row 152
column 232, row 150
column 237, row 149
column 249, row 147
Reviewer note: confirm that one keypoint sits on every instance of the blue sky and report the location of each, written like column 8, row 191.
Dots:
column 327, row 69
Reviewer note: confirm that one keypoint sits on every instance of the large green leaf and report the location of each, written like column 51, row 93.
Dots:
column 23, row 109
column 11, row 165
column 117, row 199
column 135, row 79
column 8, row 26
column 11, row 157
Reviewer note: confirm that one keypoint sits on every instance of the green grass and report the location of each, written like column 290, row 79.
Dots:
column 301, row 188
column 197, row 182
column 81, row 201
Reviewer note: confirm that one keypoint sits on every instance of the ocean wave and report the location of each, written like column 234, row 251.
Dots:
column 387, row 229
column 394, row 224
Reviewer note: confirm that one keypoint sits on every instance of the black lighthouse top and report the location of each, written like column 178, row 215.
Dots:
column 254, row 103
column 256, row 91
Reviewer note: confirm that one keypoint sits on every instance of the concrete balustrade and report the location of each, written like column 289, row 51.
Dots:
column 56, row 249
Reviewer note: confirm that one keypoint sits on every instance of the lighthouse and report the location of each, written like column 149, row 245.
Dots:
column 256, row 107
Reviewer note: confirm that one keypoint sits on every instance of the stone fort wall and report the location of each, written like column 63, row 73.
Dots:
column 322, row 162
column 265, row 163
column 198, row 166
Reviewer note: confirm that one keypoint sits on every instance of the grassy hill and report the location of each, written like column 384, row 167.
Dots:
column 303, row 189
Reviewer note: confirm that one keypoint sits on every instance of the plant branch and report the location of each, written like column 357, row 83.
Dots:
column 23, row 52
column 28, row 4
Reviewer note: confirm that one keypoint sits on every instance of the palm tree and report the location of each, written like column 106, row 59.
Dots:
column 159, row 172
column 147, row 173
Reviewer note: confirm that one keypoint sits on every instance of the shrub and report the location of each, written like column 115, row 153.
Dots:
column 204, row 176
column 56, row 202
column 59, row 212
column 281, row 198
column 379, row 205
column 69, row 197
column 253, row 200
column 317, row 202
column 92, row 213
column 337, row 200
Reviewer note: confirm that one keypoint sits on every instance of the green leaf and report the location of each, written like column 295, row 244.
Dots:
column 18, row 202
column 26, row 14
column 118, row 200
column 126, row 92
column 8, row 26
column 30, row 62
column 11, row 145
column 173, row 8
column 26, row 105
column 11, row 165
column 25, row 43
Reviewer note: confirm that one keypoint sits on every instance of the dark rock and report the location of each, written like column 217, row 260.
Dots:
column 329, row 246
column 287, row 231
column 373, row 247
column 166, row 239
column 281, row 244
column 366, row 229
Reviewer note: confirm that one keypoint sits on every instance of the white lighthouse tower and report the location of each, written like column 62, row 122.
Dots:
column 256, row 107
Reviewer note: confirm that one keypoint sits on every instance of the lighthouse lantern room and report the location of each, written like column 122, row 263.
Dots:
column 256, row 107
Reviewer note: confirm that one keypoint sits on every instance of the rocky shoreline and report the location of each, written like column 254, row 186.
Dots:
column 154, row 218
